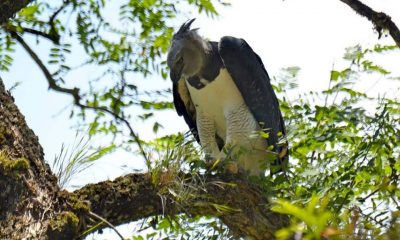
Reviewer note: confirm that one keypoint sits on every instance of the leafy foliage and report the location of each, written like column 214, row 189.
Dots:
column 6, row 49
column 345, row 152
column 121, row 41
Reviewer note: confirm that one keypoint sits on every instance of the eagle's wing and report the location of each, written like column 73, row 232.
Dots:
column 252, row 80
column 184, row 106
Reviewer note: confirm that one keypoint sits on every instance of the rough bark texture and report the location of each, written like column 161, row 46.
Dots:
column 134, row 196
column 26, row 183
column 33, row 207
column 380, row 20
column 9, row 7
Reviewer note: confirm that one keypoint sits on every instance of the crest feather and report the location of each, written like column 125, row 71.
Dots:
column 185, row 27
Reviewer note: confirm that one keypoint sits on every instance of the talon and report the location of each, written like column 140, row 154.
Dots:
column 213, row 162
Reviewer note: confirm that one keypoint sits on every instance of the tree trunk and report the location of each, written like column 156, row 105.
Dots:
column 9, row 7
column 34, row 207
column 28, row 188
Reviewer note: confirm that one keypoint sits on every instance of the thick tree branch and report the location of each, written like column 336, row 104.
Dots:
column 134, row 197
column 9, row 7
column 380, row 20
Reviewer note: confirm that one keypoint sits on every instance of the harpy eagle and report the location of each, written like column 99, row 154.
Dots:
column 224, row 94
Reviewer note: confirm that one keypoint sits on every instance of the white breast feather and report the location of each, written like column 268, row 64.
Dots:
column 221, row 102
column 216, row 98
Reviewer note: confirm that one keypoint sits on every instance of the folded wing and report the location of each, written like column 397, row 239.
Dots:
column 252, row 80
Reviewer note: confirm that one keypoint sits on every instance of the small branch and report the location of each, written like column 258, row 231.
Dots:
column 92, row 214
column 74, row 92
column 361, row 200
column 12, row 29
column 52, row 83
column 55, row 38
column 54, row 15
column 53, row 30
column 53, row 35
column 122, row 119
column 379, row 19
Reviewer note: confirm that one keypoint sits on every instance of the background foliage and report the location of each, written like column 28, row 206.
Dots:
column 123, row 40
column 345, row 150
column 345, row 144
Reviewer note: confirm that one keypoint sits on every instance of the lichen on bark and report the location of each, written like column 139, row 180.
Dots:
column 64, row 226
column 12, row 167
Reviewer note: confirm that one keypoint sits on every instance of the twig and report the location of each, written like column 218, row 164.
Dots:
column 53, row 31
column 54, row 38
column 52, row 35
column 54, row 15
column 74, row 92
column 52, row 83
column 92, row 214
column 361, row 200
column 379, row 19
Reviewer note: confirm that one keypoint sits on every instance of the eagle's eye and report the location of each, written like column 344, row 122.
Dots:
column 180, row 61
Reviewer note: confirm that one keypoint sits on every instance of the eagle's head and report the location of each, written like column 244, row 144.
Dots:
column 187, row 52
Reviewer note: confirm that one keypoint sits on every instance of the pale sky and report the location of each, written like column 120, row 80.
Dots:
column 311, row 34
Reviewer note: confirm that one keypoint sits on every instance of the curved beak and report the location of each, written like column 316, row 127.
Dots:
column 175, row 74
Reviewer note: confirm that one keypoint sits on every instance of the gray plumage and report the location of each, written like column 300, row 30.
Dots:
column 224, row 94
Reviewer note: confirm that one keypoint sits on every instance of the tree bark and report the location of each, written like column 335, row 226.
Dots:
column 9, row 7
column 239, row 204
column 28, row 188
column 34, row 207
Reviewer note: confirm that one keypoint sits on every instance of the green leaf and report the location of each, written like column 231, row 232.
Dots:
column 335, row 75
column 29, row 11
column 101, row 152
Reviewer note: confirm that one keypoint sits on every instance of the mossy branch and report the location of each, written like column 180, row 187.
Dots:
column 133, row 197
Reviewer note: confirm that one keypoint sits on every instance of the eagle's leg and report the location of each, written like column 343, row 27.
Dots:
column 206, row 131
column 243, row 143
